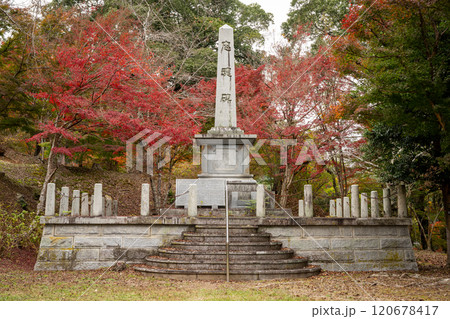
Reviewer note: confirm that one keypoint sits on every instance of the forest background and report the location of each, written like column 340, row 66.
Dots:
column 366, row 83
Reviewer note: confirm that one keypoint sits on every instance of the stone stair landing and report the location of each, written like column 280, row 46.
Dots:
column 201, row 254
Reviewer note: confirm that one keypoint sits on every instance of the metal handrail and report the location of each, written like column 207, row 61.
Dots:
column 227, row 243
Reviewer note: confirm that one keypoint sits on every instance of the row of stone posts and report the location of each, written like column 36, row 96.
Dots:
column 98, row 205
column 357, row 207
column 353, row 206
column 193, row 198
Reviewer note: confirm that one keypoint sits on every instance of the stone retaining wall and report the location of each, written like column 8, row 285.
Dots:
column 79, row 243
column 352, row 244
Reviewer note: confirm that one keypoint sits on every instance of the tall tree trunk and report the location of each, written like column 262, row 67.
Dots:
column 446, row 200
column 422, row 218
column 155, row 184
column 52, row 167
column 37, row 149
column 285, row 184
column 333, row 178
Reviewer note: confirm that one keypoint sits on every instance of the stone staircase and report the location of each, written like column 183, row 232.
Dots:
column 201, row 254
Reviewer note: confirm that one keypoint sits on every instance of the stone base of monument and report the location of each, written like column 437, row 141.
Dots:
column 211, row 193
column 201, row 254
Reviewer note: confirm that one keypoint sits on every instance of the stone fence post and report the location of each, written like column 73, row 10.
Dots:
column 260, row 204
column 387, row 202
column 97, row 205
column 347, row 207
column 332, row 208
column 364, row 206
column 192, row 201
column 108, row 205
column 85, row 204
column 355, row 201
column 64, row 201
column 76, row 203
column 50, row 200
column 374, row 210
column 145, row 199
column 308, row 201
column 339, row 207
column 301, row 208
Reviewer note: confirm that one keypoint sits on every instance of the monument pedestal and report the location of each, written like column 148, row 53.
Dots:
column 225, row 161
column 225, row 155
column 225, row 158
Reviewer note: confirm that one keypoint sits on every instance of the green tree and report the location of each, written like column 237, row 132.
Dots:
column 16, row 58
column 324, row 17
column 400, row 52
column 183, row 33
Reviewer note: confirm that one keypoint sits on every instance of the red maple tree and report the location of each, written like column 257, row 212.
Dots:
column 98, row 79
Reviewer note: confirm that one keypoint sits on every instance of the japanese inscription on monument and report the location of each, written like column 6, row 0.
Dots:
column 225, row 114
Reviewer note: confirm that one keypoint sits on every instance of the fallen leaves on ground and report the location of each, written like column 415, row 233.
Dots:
column 18, row 281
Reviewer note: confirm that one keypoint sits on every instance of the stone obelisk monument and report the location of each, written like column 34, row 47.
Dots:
column 225, row 148
column 225, row 115
column 225, row 152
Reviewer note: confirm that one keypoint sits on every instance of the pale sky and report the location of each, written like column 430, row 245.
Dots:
column 279, row 9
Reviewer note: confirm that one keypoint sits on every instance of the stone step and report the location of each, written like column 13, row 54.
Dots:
column 240, row 213
column 172, row 253
column 293, row 263
column 217, row 238
column 221, row 229
column 240, row 246
column 234, row 275
column 201, row 254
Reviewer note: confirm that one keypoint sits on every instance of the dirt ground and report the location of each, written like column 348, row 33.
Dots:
column 18, row 281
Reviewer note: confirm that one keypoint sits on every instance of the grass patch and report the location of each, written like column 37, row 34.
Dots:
column 21, row 284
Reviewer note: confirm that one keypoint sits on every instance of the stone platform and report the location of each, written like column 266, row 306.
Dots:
column 356, row 244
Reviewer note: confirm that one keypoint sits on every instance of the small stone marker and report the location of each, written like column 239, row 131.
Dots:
column 192, row 202
column 339, row 207
column 75, row 203
column 260, row 205
column 332, row 208
column 145, row 200
column 364, row 206
column 387, row 210
column 401, row 201
column 301, row 208
column 347, row 207
column 97, row 204
column 355, row 201
column 374, row 210
column 50, row 200
column 308, row 201
column 64, row 202
column 85, row 204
